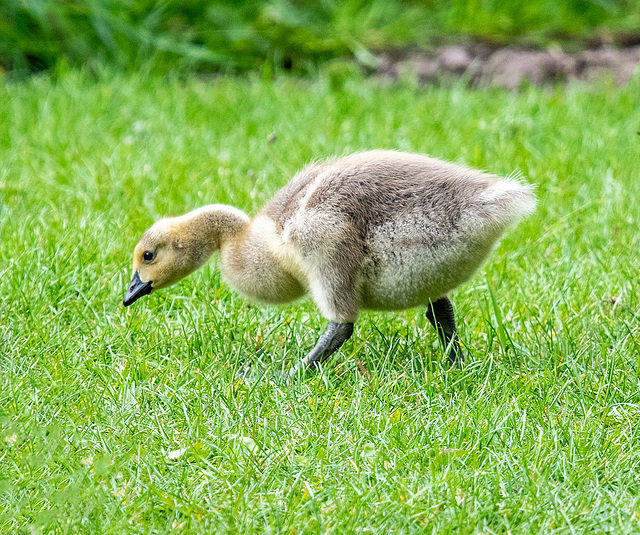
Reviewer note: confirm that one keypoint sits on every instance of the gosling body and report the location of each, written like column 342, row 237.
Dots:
column 378, row 230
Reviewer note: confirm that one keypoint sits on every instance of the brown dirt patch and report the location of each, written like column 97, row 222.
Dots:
column 509, row 67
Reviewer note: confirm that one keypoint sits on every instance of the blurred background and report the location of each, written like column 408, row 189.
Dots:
column 233, row 37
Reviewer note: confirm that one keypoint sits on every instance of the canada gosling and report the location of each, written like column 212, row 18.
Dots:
column 378, row 230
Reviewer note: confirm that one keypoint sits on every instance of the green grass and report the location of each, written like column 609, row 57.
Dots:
column 539, row 433
column 226, row 35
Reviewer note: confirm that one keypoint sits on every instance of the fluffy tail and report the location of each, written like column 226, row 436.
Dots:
column 502, row 205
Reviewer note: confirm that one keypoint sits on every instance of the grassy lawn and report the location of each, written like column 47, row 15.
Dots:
column 115, row 420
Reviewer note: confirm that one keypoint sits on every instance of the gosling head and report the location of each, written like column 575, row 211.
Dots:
column 176, row 246
column 164, row 255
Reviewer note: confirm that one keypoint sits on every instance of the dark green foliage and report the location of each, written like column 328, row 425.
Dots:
column 228, row 36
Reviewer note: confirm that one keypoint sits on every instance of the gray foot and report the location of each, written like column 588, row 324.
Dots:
column 335, row 335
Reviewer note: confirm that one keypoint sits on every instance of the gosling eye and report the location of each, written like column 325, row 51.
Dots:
column 148, row 256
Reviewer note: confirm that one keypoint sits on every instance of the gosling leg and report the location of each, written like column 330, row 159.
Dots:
column 440, row 314
column 335, row 335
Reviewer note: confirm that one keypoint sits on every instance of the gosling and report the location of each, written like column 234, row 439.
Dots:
column 378, row 230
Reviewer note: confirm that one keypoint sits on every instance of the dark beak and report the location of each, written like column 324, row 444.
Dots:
column 136, row 290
